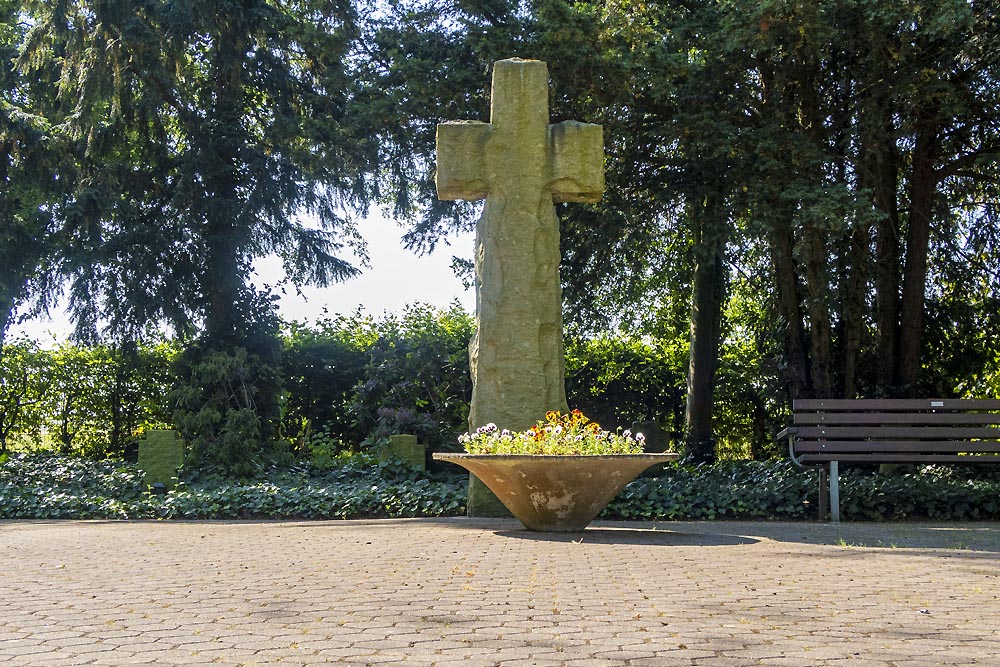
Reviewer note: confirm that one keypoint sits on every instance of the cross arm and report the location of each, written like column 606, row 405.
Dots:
column 577, row 151
column 461, row 151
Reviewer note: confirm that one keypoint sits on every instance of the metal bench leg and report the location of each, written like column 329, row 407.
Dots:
column 834, row 492
column 824, row 494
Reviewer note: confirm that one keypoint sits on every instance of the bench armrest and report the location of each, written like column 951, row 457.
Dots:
column 790, row 433
column 785, row 433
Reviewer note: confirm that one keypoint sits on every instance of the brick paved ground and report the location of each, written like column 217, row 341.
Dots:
column 481, row 592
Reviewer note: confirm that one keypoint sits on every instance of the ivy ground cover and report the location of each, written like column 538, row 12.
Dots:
column 44, row 486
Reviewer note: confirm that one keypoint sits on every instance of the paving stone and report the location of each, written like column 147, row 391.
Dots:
column 481, row 593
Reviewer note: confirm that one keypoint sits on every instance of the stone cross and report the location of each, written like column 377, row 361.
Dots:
column 520, row 164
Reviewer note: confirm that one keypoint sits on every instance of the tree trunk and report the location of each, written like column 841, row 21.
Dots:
column 887, row 261
column 7, row 291
column 922, row 193
column 816, row 267
column 763, row 438
column 787, row 287
column 707, row 293
column 817, row 280
column 778, row 220
column 878, row 175
column 854, row 279
column 223, row 280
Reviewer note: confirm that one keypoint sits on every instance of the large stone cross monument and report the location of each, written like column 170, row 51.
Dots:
column 520, row 164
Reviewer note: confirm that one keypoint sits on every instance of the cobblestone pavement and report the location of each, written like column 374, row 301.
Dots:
column 483, row 592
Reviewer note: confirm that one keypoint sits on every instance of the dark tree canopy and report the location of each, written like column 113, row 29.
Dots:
column 803, row 195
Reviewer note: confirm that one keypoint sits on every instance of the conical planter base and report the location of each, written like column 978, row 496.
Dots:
column 556, row 493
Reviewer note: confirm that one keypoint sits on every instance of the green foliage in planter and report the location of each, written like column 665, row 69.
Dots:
column 557, row 434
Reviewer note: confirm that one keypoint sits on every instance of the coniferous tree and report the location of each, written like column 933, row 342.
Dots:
column 30, row 153
column 208, row 134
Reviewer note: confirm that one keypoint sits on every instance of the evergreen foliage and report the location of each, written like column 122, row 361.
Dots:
column 801, row 201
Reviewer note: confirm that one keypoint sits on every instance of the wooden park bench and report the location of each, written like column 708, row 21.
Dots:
column 827, row 432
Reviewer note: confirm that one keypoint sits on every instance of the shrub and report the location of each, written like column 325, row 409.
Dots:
column 417, row 378
column 320, row 368
column 227, row 396
column 619, row 380
column 82, row 400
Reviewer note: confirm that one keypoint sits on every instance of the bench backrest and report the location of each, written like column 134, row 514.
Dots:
column 890, row 429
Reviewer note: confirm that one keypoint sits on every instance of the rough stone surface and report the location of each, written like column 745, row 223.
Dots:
column 556, row 493
column 519, row 163
column 404, row 447
column 161, row 454
column 476, row 592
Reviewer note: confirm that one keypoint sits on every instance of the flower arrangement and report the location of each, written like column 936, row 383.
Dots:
column 556, row 434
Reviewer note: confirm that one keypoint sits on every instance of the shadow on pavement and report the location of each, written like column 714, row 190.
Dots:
column 897, row 537
column 632, row 536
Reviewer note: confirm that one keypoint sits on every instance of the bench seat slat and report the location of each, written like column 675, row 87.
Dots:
column 934, row 418
column 897, row 432
column 817, row 446
column 899, row 458
column 828, row 432
column 894, row 404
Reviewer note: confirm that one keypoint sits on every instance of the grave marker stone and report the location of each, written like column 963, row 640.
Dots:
column 161, row 454
column 405, row 448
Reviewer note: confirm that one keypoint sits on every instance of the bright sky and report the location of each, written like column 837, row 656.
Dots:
column 395, row 278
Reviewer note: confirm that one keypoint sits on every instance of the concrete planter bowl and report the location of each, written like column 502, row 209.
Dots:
column 560, row 493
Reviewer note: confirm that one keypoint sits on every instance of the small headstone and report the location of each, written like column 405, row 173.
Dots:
column 404, row 448
column 161, row 454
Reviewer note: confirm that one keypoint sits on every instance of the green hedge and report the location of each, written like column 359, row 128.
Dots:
column 44, row 486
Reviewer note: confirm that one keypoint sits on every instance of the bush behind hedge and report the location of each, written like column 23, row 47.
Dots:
column 44, row 486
